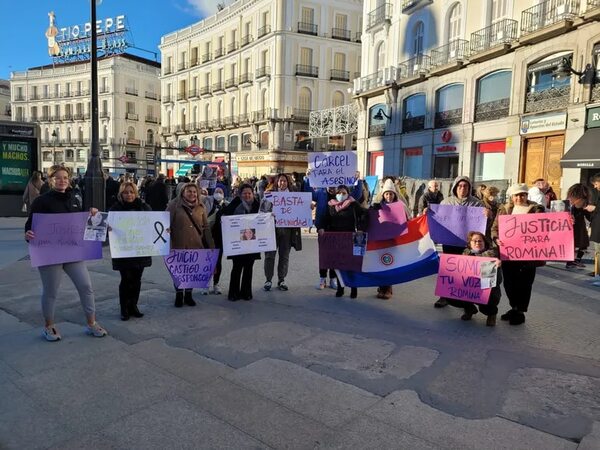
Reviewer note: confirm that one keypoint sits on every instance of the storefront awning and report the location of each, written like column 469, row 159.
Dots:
column 585, row 153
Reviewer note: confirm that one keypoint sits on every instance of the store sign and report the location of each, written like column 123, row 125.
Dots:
column 446, row 148
column 593, row 117
column 541, row 123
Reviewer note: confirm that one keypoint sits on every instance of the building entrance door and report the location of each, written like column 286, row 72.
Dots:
column 542, row 160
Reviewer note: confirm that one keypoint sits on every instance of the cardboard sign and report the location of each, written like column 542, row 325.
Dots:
column 330, row 169
column 248, row 233
column 536, row 237
column 388, row 222
column 192, row 268
column 135, row 233
column 449, row 224
column 291, row 209
column 336, row 251
column 459, row 277
column 59, row 239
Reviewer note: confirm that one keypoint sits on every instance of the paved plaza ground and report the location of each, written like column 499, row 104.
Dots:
column 299, row 369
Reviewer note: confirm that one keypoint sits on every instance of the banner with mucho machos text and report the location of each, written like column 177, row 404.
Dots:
column 536, row 237
column 248, row 233
column 331, row 169
column 192, row 268
column 139, row 233
column 291, row 209
column 59, row 239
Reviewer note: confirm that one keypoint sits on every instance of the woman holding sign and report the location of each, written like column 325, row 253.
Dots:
column 243, row 265
column 189, row 230
column 518, row 275
column 60, row 199
column 131, row 269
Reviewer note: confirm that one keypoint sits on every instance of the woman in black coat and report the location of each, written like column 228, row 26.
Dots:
column 243, row 265
column 131, row 269
column 579, row 197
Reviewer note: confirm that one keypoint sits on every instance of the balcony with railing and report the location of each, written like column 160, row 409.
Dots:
column 245, row 78
column 78, row 116
column 182, row 66
column 341, row 34
column 217, row 124
column 417, row 66
column 103, row 114
column 151, row 119
column 244, row 119
column 307, row 71
column 206, row 57
column 247, row 39
column 151, row 95
column 219, row 52
column 166, row 131
column 416, row 123
column 263, row 115
column 231, row 83
column 339, row 75
column 194, row 61
column 547, row 97
column 19, row 98
column 167, row 99
column 181, row 96
column 102, row 90
column 548, row 13
column 308, row 28
column 193, row 93
column 230, row 121
column 300, row 114
column 262, row 72
column 410, row 6
column 35, row 97
column 180, row 129
column 131, row 90
column 496, row 109
column 379, row 16
column 168, row 70
column 67, row 117
column 497, row 36
column 219, row 86
column 447, row 118
column 44, row 118
column 232, row 47
column 453, row 52
column 131, row 116
column 204, row 125
column 205, row 91
column 262, row 31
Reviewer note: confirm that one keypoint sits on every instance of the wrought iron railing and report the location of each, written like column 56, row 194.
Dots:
column 167, row 99
column 168, row 70
column 245, row 78
column 262, row 72
column 547, row 99
column 246, row 40
column 219, row 52
column 379, row 15
column 231, row 83
column 308, row 28
column 595, row 93
column 206, row 57
column 358, row 37
column 151, row 119
column 592, row 4
column 166, row 130
column 244, row 119
column 414, row 67
column 377, row 130
column 307, row 71
column 194, row 61
column 230, row 121
column 218, row 86
column 416, row 123
column 301, row 114
column 151, row 95
column 263, row 31
column 339, row 75
column 204, row 125
column 131, row 91
column 341, row 33
column 181, row 96
column 447, row 118
column 493, row 110
column 501, row 32
column 205, row 90
column 233, row 47
column 453, row 51
column 182, row 66
column 192, row 93
column 548, row 13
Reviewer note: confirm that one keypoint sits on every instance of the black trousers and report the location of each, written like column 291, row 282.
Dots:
column 518, row 282
column 131, row 283
column 323, row 273
column 491, row 309
column 241, row 271
column 218, row 268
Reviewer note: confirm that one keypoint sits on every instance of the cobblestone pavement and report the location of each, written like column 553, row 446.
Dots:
column 296, row 369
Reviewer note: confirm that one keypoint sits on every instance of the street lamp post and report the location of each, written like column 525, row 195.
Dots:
column 94, row 193
column 54, row 136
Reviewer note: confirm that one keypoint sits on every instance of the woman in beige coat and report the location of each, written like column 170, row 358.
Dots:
column 189, row 230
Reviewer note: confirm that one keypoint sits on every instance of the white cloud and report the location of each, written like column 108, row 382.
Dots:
column 206, row 7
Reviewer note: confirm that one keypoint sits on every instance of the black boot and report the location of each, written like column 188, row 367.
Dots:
column 124, row 310
column 134, row 311
column 340, row 291
column 353, row 292
column 178, row 299
column 187, row 298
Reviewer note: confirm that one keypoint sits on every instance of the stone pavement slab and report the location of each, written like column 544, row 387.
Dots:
column 166, row 425
column 316, row 396
column 592, row 440
column 404, row 410
column 10, row 324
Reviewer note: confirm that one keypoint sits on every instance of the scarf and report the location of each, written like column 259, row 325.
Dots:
column 339, row 206
column 247, row 206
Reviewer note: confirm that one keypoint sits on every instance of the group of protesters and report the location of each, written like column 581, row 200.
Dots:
column 195, row 223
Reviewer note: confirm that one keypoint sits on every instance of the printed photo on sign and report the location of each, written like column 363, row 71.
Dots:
column 360, row 243
column 248, row 233
column 139, row 233
column 96, row 227
column 330, row 169
column 489, row 274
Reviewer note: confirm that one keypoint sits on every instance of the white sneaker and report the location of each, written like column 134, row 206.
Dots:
column 322, row 283
column 217, row 289
column 333, row 283
column 95, row 330
column 51, row 334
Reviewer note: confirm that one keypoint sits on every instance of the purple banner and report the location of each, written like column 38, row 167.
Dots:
column 335, row 252
column 449, row 224
column 191, row 268
column 59, row 239
column 389, row 222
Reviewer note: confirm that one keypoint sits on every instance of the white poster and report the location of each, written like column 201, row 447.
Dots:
column 248, row 233
column 331, row 169
column 291, row 209
column 139, row 233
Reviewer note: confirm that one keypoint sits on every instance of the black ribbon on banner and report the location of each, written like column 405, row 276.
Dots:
column 160, row 232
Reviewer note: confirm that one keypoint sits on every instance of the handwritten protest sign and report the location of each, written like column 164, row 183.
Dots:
column 139, row 233
column 332, row 168
column 449, row 224
column 59, row 239
column 336, row 252
column 291, row 209
column 536, row 237
column 248, row 233
column 191, row 268
column 459, row 278
column 388, row 222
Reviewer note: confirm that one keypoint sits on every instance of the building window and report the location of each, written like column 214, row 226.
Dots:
column 418, row 33
column 380, row 57
column 449, row 105
column 264, row 139
column 207, row 143
column 493, row 96
column 377, row 120
column 149, row 137
column 489, row 164
column 455, row 22
column 545, row 90
column 246, row 144
column 221, row 143
column 498, row 10
column 413, row 162
column 338, row 99
column 414, row 112
column 233, row 143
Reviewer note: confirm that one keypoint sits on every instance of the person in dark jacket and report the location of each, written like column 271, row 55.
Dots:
column 157, row 194
column 578, row 197
column 432, row 196
column 111, row 190
column 594, row 209
column 131, row 269
column 214, row 204
column 344, row 214
column 243, row 265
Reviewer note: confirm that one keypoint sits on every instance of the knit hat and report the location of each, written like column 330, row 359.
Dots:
column 388, row 185
column 518, row 188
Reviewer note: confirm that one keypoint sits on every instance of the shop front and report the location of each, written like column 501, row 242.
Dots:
column 446, row 155
column 585, row 153
column 489, row 160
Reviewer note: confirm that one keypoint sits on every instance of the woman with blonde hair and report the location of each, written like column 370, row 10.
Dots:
column 32, row 190
column 60, row 199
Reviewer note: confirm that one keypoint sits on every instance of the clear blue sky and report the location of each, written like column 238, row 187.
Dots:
column 24, row 22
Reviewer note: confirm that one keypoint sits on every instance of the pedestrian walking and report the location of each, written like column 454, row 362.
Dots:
column 594, row 209
column 60, row 199
column 157, row 194
column 214, row 205
column 32, row 190
column 578, row 197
